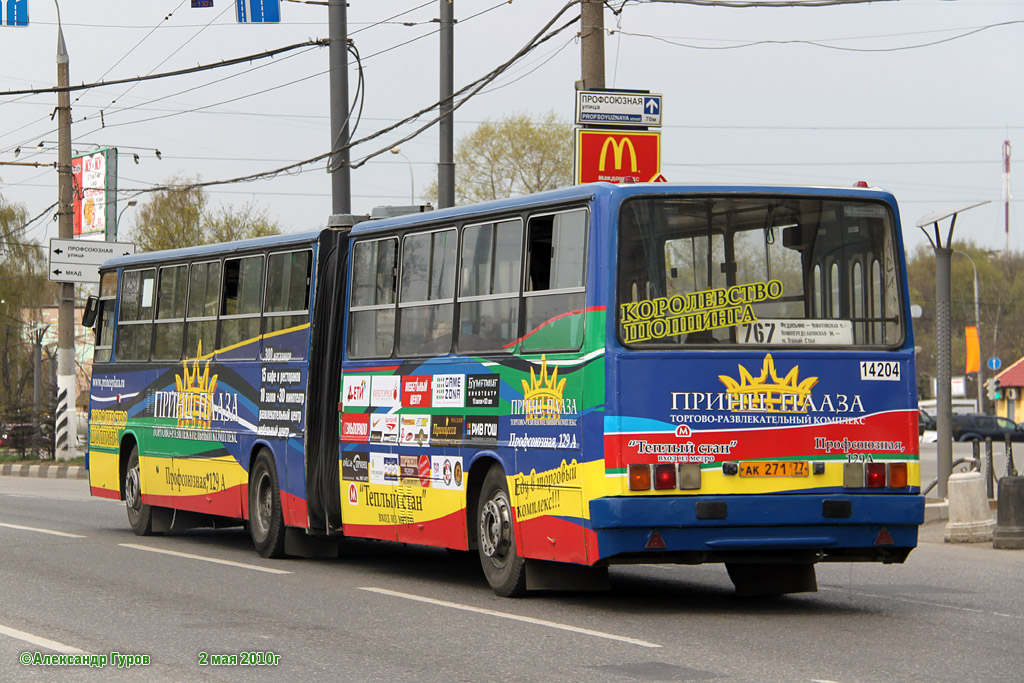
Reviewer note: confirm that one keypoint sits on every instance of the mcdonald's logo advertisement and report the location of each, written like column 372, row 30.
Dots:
column 617, row 156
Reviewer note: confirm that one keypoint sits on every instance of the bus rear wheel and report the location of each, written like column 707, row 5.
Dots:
column 140, row 515
column 266, row 522
column 504, row 568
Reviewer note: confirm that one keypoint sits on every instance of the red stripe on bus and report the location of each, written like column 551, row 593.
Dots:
column 104, row 493
column 549, row 321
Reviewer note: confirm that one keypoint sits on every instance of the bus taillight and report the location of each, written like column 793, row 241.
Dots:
column 664, row 476
column 875, row 475
column 898, row 475
column 689, row 476
column 639, row 477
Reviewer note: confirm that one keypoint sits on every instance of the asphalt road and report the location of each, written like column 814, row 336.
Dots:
column 74, row 579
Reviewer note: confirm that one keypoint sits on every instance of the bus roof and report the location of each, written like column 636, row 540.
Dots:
column 609, row 190
column 192, row 253
column 553, row 197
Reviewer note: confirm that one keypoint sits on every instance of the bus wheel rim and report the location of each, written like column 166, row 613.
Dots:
column 264, row 502
column 496, row 529
column 131, row 489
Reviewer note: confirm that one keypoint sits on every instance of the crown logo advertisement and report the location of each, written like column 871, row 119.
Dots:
column 542, row 397
column 783, row 395
column 195, row 394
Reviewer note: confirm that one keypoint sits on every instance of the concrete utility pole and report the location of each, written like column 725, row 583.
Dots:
column 446, row 154
column 338, row 166
column 66, row 419
column 592, row 44
column 1006, row 189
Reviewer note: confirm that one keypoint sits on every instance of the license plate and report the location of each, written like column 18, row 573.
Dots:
column 783, row 468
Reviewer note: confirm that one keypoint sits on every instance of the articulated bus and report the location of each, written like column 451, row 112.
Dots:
column 593, row 376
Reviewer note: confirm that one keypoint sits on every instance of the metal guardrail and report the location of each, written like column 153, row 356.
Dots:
column 983, row 464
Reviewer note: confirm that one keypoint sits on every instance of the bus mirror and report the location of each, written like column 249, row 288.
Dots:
column 91, row 308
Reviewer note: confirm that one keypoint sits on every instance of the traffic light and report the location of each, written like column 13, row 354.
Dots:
column 990, row 389
column 998, row 389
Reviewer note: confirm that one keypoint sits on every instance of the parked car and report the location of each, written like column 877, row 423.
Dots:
column 925, row 422
column 970, row 427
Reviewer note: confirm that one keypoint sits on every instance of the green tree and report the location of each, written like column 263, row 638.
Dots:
column 24, row 290
column 512, row 156
column 179, row 217
column 1000, row 288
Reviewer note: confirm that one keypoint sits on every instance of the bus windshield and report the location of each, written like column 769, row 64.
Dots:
column 759, row 269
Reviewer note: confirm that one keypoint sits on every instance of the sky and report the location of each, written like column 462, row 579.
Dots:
column 912, row 96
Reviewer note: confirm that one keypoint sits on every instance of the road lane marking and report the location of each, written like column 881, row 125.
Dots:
column 41, row 531
column 40, row 642
column 514, row 617
column 190, row 556
column 927, row 603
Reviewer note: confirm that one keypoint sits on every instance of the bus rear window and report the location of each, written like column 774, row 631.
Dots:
column 758, row 270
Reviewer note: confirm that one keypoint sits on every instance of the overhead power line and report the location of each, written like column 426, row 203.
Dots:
column 814, row 43
column 320, row 42
column 541, row 37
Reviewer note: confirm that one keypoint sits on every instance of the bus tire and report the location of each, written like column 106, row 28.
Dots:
column 266, row 522
column 140, row 515
column 504, row 568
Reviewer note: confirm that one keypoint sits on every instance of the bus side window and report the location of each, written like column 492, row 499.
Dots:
column 427, row 294
column 555, row 281
column 135, row 324
column 242, row 306
column 170, row 313
column 287, row 296
column 492, row 257
column 371, row 328
column 201, row 311
column 104, row 326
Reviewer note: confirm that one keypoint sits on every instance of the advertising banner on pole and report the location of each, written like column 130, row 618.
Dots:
column 94, row 190
column 617, row 156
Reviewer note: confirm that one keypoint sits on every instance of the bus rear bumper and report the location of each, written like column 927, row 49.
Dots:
column 693, row 530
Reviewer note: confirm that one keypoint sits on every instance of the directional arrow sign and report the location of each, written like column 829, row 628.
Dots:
column 80, row 260
column 618, row 108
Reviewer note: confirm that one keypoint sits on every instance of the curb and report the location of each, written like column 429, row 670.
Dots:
column 936, row 512
column 45, row 471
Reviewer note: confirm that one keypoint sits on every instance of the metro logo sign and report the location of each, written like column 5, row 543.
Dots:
column 617, row 156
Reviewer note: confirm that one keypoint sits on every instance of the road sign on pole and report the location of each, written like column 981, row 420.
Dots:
column 80, row 260
column 617, row 108
column 994, row 363
column 617, row 156
column 258, row 11
column 16, row 12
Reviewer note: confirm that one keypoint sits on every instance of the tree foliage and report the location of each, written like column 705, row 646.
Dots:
column 1000, row 289
column 24, row 290
column 512, row 156
column 180, row 217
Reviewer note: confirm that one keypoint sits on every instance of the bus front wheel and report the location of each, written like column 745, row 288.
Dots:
column 140, row 515
column 504, row 568
column 266, row 523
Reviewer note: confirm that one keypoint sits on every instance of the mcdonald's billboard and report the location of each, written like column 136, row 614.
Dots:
column 617, row 155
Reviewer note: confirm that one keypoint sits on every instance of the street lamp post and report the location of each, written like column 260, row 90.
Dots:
column 412, row 182
column 977, row 325
column 943, row 350
column 117, row 223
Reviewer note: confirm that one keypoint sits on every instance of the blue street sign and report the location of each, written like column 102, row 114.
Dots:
column 17, row 13
column 258, row 11
column 652, row 105
column 994, row 363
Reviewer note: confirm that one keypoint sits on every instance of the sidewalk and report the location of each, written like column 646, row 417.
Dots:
column 49, row 471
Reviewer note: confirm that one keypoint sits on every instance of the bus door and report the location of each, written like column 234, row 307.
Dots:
column 546, row 425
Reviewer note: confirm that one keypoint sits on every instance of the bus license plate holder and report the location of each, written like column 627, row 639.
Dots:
column 774, row 468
